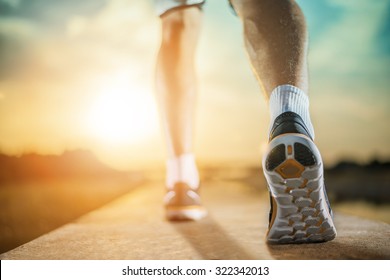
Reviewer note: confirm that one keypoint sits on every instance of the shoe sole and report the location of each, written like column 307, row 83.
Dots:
column 185, row 213
column 293, row 168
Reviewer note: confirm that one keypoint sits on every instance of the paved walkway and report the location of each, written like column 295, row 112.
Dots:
column 133, row 227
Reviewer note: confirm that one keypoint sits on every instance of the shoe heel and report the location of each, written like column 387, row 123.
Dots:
column 294, row 172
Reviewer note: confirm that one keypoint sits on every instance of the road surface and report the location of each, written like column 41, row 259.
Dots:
column 133, row 227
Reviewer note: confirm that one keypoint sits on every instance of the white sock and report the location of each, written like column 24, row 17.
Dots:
column 287, row 98
column 182, row 169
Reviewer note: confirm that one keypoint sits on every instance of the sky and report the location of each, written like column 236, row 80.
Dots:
column 79, row 75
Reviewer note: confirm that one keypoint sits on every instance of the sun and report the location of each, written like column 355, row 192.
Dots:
column 122, row 115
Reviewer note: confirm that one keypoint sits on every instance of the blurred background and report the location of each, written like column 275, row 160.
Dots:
column 79, row 123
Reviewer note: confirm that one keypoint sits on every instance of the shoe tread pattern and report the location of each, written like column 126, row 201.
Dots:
column 302, row 214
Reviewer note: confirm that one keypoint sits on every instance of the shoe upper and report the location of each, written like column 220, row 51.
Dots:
column 288, row 122
column 182, row 195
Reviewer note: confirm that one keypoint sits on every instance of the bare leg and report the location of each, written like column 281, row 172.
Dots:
column 176, row 90
column 175, row 77
column 276, row 41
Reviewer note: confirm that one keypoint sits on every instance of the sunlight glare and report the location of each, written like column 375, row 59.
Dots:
column 122, row 115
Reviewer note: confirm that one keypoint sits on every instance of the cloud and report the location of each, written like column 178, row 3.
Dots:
column 92, row 44
column 64, row 71
column 11, row 3
column 349, row 79
column 348, row 49
column 17, row 28
column 26, row 24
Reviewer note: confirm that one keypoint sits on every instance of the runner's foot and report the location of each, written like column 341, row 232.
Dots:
column 300, row 211
column 183, row 203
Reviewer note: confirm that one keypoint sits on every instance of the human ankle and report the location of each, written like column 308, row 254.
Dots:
column 288, row 98
column 182, row 168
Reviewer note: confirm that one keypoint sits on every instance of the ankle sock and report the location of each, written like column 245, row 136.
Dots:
column 182, row 169
column 288, row 98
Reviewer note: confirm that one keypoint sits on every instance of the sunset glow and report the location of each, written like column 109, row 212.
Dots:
column 121, row 114
column 80, row 75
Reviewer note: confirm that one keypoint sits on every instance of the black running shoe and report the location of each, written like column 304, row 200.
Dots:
column 300, row 211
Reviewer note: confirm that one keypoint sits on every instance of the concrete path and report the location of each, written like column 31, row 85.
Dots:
column 133, row 227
